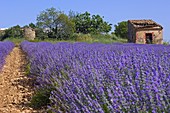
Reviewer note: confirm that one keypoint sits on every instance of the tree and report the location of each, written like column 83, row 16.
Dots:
column 72, row 15
column 32, row 25
column 14, row 32
column 64, row 27
column 47, row 18
column 82, row 22
column 85, row 23
column 121, row 29
column 55, row 23
column 40, row 34
column 99, row 25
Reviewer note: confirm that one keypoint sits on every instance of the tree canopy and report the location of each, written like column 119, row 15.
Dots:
column 52, row 23
column 14, row 32
column 85, row 23
column 64, row 27
column 47, row 18
column 55, row 23
column 121, row 29
column 61, row 26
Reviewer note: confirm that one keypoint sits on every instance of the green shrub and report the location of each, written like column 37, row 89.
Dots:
column 16, row 40
column 27, row 71
column 166, row 43
column 15, row 32
column 40, row 98
column 40, row 34
column 83, row 37
column 98, row 38
column 2, row 33
column 36, row 40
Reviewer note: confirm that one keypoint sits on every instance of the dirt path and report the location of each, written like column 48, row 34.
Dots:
column 15, row 87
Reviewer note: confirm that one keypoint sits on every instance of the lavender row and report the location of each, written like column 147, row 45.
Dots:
column 102, row 78
column 5, row 49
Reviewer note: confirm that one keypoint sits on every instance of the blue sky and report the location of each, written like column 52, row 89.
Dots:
column 23, row 12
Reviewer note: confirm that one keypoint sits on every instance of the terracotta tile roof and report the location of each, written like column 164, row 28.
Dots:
column 145, row 24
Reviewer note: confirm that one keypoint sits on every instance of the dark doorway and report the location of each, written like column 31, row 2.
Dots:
column 149, row 38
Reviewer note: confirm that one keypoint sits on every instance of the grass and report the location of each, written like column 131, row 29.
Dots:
column 16, row 40
column 80, row 38
column 89, row 38
column 98, row 38
column 51, row 40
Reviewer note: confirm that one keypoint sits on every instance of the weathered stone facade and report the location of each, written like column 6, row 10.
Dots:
column 145, row 32
column 29, row 33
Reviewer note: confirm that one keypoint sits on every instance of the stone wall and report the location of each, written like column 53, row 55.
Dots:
column 139, row 29
column 131, row 33
column 29, row 33
column 156, row 34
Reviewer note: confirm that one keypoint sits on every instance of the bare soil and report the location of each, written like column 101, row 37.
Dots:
column 16, row 88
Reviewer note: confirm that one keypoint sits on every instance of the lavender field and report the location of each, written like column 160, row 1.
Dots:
column 102, row 78
column 5, row 49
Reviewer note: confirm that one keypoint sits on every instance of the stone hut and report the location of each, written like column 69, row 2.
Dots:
column 29, row 33
column 145, row 32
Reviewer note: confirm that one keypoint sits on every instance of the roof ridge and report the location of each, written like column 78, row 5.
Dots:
column 144, row 23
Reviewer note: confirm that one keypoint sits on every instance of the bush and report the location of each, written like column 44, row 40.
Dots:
column 41, row 98
column 15, row 40
column 15, row 32
column 2, row 33
column 83, row 37
column 166, row 43
column 99, row 38
column 40, row 34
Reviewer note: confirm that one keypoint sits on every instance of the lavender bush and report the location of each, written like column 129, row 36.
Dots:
column 102, row 78
column 5, row 49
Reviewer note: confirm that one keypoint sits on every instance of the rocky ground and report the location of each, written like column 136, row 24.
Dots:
column 16, row 88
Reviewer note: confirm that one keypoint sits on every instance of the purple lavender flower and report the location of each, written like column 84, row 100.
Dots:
column 102, row 78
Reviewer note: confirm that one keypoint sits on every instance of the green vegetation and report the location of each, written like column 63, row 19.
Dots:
column 15, row 31
column 2, row 33
column 55, row 26
column 16, row 40
column 85, row 23
column 58, row 25
column 98, row 38
column 166, row 43
column 40, row 98
column 77, row 38
column 27, row 70
column 121, row 29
